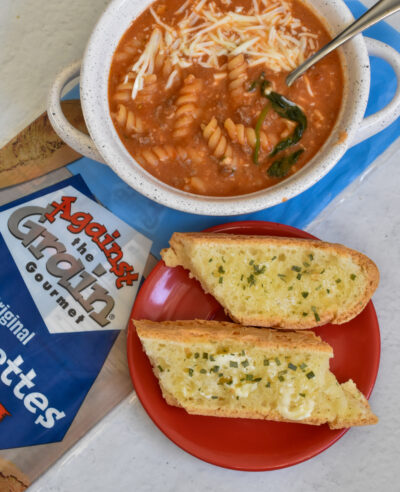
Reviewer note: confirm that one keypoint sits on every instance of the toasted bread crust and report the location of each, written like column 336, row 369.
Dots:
column 199, row 331
column 192, row 331
column 371, row 419
column 173, row 257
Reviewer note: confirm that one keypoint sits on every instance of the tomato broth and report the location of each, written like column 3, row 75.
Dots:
column 218, row 119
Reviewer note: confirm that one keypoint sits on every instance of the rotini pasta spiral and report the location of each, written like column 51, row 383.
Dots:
column 245, row 135
column 129, row 52
column 195, row 184
column 146, row 95
column 237, row 74
column 128, row 120
column 187, row 109
column 123, row 90
column 156, row 154
column 159, row 153
column 217, row 141
column 164, row 66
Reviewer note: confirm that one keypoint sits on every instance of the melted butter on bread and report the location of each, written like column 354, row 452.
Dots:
column 277, row 282
column 221, row 369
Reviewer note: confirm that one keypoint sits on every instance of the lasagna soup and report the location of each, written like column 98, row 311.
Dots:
column 198, row 95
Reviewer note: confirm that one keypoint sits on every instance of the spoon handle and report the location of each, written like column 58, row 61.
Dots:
column 379, row 11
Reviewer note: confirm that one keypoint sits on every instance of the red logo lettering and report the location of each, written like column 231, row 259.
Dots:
column 3, row 412
column 82, row 222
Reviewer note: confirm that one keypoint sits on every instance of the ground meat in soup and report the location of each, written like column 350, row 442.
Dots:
column 189, row 85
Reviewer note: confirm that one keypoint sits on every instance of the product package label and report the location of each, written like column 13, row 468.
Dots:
column 70, row 271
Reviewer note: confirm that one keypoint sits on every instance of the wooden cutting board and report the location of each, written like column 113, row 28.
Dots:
column 38, row 149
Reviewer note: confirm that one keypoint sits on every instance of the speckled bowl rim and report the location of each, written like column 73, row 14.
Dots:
column 94, row 97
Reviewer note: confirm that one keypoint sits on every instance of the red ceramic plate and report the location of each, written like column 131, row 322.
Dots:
column 243, row 444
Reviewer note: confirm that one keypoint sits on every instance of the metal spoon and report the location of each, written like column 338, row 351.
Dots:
column 379, row 11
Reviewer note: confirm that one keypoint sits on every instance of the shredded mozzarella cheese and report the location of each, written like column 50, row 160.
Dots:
column 268, row 35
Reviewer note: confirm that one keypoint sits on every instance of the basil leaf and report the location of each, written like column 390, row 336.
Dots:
column 290, row 111
column 259, row 123
column 280, row 167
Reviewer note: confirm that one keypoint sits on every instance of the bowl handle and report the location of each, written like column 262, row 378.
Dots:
column 79, row 141
column 384, row 117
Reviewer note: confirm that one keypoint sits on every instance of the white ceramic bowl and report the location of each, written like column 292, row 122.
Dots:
column 105, row 145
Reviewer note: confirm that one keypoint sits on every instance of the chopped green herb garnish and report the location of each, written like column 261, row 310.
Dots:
column 251, row 279
column 205, row 355
column 245, row 363
column 268, row 385
column 273, row 258
column 353, row 276
column 251, row 262
column 338, row 280
column 302, row 394
column 310, row 375
column 257, row 380
column 241, row 278
column 223, row 260
column 316, row 315
column 281, row 167
column 242, row 352
column 322, row 271
column 281, row 378
column 160, row 369
column 258, row 270
column 221, row 269
column 303, row 365
column 328, row 291
column 292, row 366
column 214, row 397
column 190, row 371
column 282, row 276
column 298, row 276
column 233, row 364
column 306, row 264
column 196, row 355
column 304, row 294
column 214, row 369
column 290, row 288
column 296, row 268
column 249, row 377
column 319, row 287
column 203, row 371
column 220, row 374
column 266, row 362
column 305, row 314
column 278, row 362
column 210, row 260
column 257, row 129
column 212, row 358
column 220, row 280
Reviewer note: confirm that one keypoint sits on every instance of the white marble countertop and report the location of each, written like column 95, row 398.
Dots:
column 126, row 451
